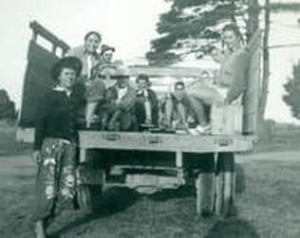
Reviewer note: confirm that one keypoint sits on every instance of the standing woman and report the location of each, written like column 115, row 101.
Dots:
column 54, row 146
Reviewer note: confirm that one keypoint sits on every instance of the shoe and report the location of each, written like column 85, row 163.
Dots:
column 205, row 130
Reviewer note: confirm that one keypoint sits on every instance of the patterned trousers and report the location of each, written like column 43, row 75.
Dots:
column 56, row 178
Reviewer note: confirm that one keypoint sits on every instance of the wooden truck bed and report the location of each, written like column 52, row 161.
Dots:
column 164, row 142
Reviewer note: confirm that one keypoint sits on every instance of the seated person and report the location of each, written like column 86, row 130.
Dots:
column 101, row 79
column 88, row 56
column 186, row 109
column 233, row 73
column 117, row 113
column 146, row 106
column 106, row 66
column 216, row 54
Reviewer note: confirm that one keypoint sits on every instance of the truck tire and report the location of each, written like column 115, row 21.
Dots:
column 204, row 183
column 225, row 184
column 90, row 183
column 89, row 197
column 84, row 198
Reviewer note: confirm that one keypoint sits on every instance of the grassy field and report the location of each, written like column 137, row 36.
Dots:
column 267, row 204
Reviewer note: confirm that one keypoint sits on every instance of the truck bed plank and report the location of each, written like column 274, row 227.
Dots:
column 165, row 142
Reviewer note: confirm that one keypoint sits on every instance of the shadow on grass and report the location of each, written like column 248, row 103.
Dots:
column 112, row 201
column 233, row 228
column 240, row 179
column 188, row 191
column 166, row 194
column 116, row 199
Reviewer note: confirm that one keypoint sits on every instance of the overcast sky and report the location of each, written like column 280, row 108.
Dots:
column 129, row 25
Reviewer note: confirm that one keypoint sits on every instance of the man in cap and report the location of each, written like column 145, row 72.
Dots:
column 102, row 77
column 118, row 111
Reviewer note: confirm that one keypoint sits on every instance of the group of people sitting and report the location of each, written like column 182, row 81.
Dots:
column 91, row 86
column 106, row 100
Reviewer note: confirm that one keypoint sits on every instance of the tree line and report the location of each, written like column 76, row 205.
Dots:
column 191, row 26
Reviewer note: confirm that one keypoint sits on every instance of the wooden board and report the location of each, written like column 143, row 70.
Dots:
column 155, row 71
column 37, row 80
column 164, row 142
column 226, row 119
column 37, row 76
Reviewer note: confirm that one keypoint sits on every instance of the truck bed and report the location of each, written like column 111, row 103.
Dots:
column 156, row 141
column 165, row 142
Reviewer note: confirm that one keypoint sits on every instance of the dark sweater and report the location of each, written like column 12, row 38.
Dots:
column 55, row 118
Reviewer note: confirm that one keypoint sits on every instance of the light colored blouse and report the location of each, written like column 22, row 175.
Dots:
column 88, row 60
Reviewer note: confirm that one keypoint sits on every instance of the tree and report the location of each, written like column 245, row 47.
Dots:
column 292, row 88
column 269, row 8
column 7, row 107
column 190, row 26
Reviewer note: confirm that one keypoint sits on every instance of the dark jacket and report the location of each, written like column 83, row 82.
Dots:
column 55, row 118
column 140, row 109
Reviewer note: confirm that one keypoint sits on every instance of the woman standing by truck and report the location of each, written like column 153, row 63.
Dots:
column 54, row 145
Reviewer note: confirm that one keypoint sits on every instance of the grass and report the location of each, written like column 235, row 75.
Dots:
column 268, row 207
column 8, row 143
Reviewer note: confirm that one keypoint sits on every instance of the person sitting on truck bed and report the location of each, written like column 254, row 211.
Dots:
column 146, row 106
column 183, row 107
column 216, row 54
column 87, row 92
column 176, row 106
column 102, row 78
column 233, row 73
column 118, row 112
column 87, row 53
column 54, row 145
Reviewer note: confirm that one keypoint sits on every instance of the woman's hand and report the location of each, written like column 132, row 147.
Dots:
column 37, row 156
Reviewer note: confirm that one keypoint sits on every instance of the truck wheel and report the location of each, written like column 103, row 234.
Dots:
column 90, row 184
column 84, row 198
column 204, row 183
column 225, row 184
column 89, row 197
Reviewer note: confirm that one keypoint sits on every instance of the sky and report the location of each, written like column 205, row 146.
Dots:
column 129, row 25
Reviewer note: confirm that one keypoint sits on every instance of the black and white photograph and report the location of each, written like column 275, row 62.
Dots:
column 150, row 119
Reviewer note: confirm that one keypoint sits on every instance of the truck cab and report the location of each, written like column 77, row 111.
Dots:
column 147, row 161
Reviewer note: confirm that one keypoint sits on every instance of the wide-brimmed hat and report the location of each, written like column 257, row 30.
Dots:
column 122, row 72
column 67, row 62
column 105, row 48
